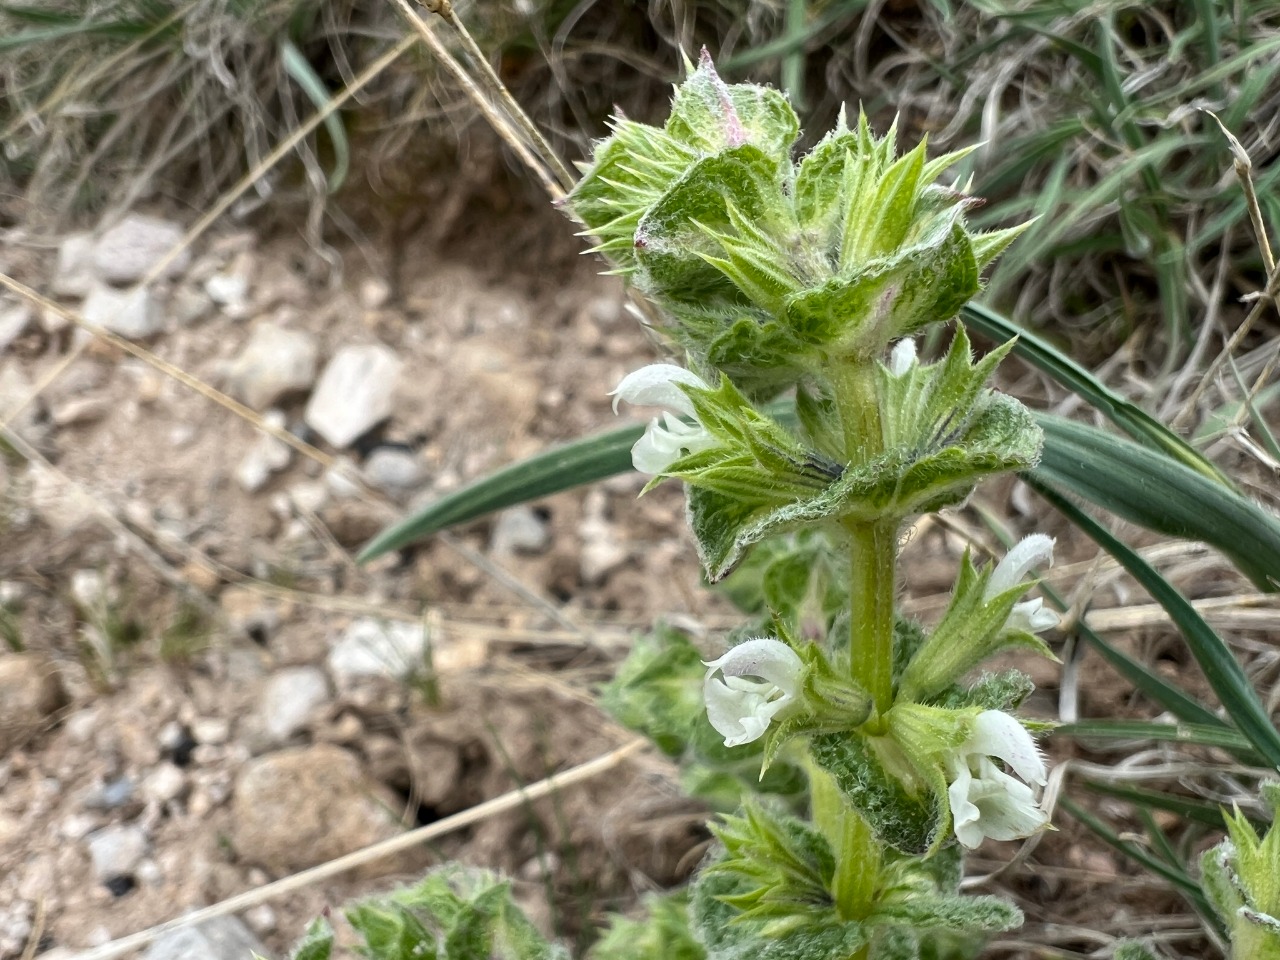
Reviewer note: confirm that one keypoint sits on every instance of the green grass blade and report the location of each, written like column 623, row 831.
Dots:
column 1179, row 878
column 1146, row 681
column 557, row 469
column 1146, row 488
column 1216, row 661
column 295, row 64
column 1201, row 811
column 1202, row 735
column 1129, row 417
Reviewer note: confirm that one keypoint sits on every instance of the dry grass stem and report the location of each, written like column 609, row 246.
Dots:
column 511, row 800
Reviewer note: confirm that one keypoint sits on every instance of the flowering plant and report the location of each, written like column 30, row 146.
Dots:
column 811, row 276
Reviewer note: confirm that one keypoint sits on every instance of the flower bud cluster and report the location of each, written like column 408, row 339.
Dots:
column 770, row 268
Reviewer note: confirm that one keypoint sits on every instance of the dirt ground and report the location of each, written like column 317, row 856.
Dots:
column 166, row 598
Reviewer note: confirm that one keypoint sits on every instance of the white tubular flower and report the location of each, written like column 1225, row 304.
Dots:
column 986, row 801
column 739, row 708
column 903, row 357
column 1030, row 616
column 668, row 438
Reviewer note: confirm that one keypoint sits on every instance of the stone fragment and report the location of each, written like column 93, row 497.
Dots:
column 394, row 471
column 229, row 288
column 303, row 806
column 116, row 851
column 268, row 455
column 378, row 648
column 164, row 784
column 288, row 700
column 30, row 691
column 133, row 314
column 354, row 394
column 133, row 247
column 15, row 320
column 222, row 938
column 275, row 362
column 73, row 274
column 374, row 293
column 519, row 530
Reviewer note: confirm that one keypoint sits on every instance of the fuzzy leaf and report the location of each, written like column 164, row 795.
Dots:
column 671, row 238
column 662, row 932
column 316, row 943
column 923, row 911
column 710, row 115
column 905, row 821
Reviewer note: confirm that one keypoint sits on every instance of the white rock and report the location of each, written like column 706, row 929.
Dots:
column 134, row 314
column 274, row 362
column 133, row 247
column 229, row 288
column 117, row 850
column 354, row 394
column 211, row 731
column 90, row 590
column 374, row 293
column 262, row 919
column 519, row 530
column 222, row 938
column 288, row 700
column 378, row 648
column 15, row 319
column 58, row 502
column 165, row 783
column 394, row 471
column 73, row 274
column 268, row 455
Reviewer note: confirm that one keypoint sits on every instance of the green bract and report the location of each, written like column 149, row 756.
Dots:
column 1242, row 879
column 772, row 269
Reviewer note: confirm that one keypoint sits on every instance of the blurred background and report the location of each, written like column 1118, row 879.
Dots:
column 331, row 293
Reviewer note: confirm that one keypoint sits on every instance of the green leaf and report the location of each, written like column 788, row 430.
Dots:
column 905, row 821
column 925, row 911
column 1210, row 814
column 1216, row 735
column 710, row 115
column 296, row 65
column 1130, row 418
column 1216, row 661
column 560, row 468
column 316, row 943
column 391, row 931
column 1161, row 494
column 671, row 238
column 663, row 932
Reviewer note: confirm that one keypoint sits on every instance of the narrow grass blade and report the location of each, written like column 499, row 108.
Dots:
column 1129, row 417
column 1216, row 661
column 1178, row 877
column 561, row 468
column 1202, row 735
column 1149, row 683
column 295, row 64
column 1201, row 811
column 1147, row 488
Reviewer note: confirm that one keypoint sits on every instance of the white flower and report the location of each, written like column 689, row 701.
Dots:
column 903, row 357
column 741, row 709
column 986, row 801
column 668, row 438
column 1027, row 554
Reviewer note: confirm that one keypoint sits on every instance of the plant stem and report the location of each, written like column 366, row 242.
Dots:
column 873, row 555
column 857, row 854
column 855, row 395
